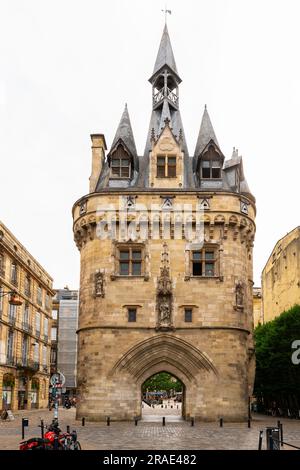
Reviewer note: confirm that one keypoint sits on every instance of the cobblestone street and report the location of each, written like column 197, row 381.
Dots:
column 150, row 435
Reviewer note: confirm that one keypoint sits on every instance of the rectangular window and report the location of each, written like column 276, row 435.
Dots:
column 2, row 271
column 12, row 314
column 166, row 167
column 130, row 261
column 120, row 167
column 132, row 314
column 14, row 274
column 1, row 299
column 211, row 169
column 46, row 327
column 27, row 286
column 37, row 324
column 10, row 345
column 39, row 295
column 53, row 334
column 44, row 355
column 54, row 314
column 204, row 262
column 36, row 353
column 188, row 315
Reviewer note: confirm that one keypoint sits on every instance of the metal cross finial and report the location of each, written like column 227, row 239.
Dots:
column 166, row 12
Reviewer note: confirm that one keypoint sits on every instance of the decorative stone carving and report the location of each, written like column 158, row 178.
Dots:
column 99, row 284
column 164, row 294
column 239, row 295
column 82, row 207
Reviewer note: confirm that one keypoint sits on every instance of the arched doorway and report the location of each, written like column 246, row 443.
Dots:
column 8, row 383
column 162, row 395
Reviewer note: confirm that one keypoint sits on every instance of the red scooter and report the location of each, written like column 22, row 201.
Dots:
column 54, row 439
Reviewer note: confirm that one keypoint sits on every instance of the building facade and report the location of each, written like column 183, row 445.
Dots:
column 166, row 244
column 281, row 276
column 257, row 306
column 24, row 329
column 66, row 304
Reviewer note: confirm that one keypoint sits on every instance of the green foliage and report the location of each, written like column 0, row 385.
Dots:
column 277, row 378
column 162, row 382
column 8, row 380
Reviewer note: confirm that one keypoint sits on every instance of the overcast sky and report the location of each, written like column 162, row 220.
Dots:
column 67, row 67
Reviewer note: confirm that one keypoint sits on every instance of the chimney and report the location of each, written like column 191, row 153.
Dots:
column 98, row 155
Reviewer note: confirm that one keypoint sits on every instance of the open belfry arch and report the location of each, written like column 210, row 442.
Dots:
column 152, row 298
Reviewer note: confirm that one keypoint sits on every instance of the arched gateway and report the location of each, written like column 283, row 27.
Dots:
column 166, row 243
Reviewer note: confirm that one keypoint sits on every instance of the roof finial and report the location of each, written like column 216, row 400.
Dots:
column 205, row 106
column 166, row 12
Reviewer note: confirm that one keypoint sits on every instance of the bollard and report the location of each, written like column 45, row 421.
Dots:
column 272, row 437
column 192, row 421
column 164, row 421
column 221, row 422
column 25, row 423
column 108, row 421
column 162, row 406
column 136, row 421
column 260, row 438
column 281, row 434
column 249, row 423
column 83, row 422
column 42, row 428
column 68, row 429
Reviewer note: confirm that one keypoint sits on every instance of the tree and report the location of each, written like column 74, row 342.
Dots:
column 277, row 378
column 162, row 382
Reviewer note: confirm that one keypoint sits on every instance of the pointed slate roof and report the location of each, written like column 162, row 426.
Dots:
column 165, row 54
column 206, row 134
column 124, row 133
column 165, row 114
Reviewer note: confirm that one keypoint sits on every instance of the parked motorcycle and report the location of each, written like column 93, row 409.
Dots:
column 54, row 439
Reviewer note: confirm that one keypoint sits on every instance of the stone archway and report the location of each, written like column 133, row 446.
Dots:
column 164, row 352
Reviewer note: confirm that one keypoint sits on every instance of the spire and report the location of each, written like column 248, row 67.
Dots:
column 165, row 54
column 124, row 133
column 165, row 114
column 206, row 133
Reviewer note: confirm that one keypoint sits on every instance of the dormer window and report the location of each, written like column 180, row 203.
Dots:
column 120, row 163
column 211, row 169
column 166, row 166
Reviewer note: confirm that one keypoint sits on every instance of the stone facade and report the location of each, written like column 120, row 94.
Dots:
column 281, row 276
column 159, row 273
column 257, row 306
column 24, row 329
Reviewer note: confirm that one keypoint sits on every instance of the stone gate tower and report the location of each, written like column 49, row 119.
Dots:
column 166, row 266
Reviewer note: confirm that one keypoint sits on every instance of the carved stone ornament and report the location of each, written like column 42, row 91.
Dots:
column 239, row 295
column 166, row 144
column 99, row 284
column 164, row 294
column 82, row 208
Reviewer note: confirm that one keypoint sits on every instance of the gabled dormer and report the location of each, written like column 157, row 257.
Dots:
column 166, row 160
column 208, row 157
column 122, row 158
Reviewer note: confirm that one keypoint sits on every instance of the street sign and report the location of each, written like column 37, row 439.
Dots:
column 57, row 379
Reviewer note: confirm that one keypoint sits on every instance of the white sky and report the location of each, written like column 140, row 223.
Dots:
column 67, row 67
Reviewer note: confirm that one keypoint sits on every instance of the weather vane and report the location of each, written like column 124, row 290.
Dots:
column 166, row 12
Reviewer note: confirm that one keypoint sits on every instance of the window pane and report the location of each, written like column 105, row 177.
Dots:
column 161, row 161
column 136, row 268
column 171, row 171
column 172, row 161
column 124, row 255
column 216, row 164
column 209, row 269
column 188, row 315
column 116, row 171
column 196, row 255
column 136, row 254
column 216, row 173
column 160, row 171
column 124, row 269
column 209, row 255
column 197, row 269
column 125, row 172
column 124, row 162
column 115, row 162
column 132, row 314
column 205, row 164
column 205, row 172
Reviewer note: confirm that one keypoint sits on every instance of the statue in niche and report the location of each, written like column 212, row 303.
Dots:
column 99, row 284
column 239, row 295
column 164, row 310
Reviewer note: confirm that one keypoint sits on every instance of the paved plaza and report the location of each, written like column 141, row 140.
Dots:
column 176, row 435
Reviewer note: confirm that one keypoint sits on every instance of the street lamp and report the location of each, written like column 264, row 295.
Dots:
column 14, row 298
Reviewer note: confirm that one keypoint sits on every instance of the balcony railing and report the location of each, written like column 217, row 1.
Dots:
column 26, row 327
column 29, row 364
column 46, row 338
column 37, row 333
column 11, row 320
column 10, row 360
column 14, row 282
column 27, row 292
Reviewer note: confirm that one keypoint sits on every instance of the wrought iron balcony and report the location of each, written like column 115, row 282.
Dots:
column 14, row 282
column 27, row 292
column 26, row 327
column 28, row 364
column 10, row 360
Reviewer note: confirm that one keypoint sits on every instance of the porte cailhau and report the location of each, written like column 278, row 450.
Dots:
column 166, row 242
